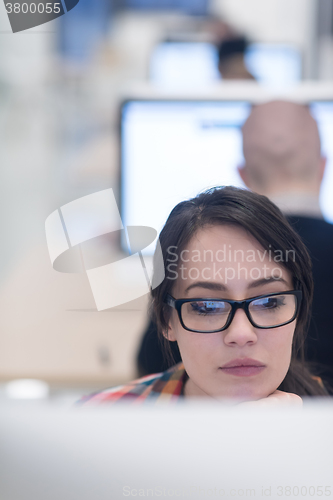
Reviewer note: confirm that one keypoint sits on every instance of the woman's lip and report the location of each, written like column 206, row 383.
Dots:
column 244, row 371
column 243, row 362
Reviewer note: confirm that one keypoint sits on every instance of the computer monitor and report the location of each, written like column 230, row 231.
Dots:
column 189, row 451
column 179, row 64
column 274, row 64
column 173, row 149
column 175, row 64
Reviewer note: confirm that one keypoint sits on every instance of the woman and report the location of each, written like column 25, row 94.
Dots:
column 236, row 298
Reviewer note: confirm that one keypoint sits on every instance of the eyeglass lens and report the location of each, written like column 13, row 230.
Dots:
column 210, row 315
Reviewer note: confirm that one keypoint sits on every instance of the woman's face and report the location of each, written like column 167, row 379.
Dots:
column 225, row 262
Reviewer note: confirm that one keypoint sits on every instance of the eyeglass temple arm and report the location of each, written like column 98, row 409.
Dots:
column 170, row 301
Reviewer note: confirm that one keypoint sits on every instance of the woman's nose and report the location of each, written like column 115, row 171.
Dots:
column 240, row 332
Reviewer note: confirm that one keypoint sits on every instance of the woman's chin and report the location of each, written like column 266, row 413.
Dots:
column 243, row 395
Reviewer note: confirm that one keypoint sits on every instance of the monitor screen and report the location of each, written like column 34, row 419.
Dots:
column 172, row 150
column 176, row 64
column 274, row 64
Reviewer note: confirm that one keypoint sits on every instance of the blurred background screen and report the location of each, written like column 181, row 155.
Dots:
column 175, row 149
column 179, row 63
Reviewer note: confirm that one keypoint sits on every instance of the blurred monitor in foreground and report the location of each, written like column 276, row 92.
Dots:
column 187, row 451
column 180, row 63
column 172, row 150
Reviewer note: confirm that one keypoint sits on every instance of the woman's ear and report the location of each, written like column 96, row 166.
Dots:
column 243, row 173
column 169, row 334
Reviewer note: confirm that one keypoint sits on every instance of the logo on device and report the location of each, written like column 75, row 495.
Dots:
column 84, row 235
column 25, row 14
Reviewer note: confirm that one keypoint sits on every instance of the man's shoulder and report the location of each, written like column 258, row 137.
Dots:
column 317, row 234
column 311, row 223
column 169, row 383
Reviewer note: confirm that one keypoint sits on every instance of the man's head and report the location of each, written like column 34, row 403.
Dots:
column 231, row 52
column 281, row 148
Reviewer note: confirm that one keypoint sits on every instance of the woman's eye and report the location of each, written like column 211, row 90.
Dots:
column 268, row 303
column 208, row 307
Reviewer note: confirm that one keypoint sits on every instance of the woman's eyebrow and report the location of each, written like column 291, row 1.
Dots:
column 264, row 281
column 208, row 286
column 219, row 287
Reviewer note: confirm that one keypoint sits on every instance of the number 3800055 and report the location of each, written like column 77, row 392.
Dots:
column 33, row 8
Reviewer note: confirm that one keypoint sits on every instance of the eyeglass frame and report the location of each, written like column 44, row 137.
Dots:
column 235, row 304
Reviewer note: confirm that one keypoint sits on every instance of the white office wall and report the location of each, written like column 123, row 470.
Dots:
column 269, row 20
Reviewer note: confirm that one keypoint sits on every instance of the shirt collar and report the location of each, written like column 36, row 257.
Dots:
column 171, row 384
column 303, row 204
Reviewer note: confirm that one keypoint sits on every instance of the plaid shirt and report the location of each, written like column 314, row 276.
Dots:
column 165, row 387
column 162, row 387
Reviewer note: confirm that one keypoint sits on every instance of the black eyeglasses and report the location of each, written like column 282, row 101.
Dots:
column 215, row 315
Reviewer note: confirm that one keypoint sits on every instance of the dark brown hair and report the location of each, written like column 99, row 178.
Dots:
column 265, row 222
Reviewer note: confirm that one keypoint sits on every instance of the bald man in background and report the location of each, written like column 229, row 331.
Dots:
column 283, row 161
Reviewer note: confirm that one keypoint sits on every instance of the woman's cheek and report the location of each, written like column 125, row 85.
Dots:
column 280, row 362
